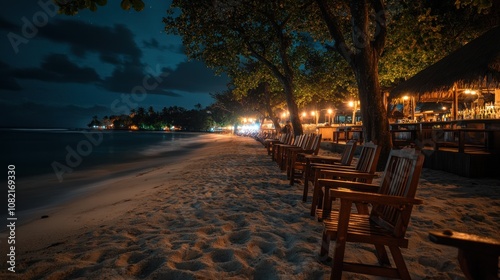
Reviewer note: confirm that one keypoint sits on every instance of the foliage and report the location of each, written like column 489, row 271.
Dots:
column 421, row 33
column 71, row 7
column 227, row 35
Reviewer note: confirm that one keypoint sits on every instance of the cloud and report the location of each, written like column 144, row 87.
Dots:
column 154, row 44
column 194, row 76
column 83, row 38
column 114, row 46
column 131, row 78
column 58, row 68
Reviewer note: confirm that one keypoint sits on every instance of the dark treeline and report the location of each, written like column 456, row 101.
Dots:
column 171, row 118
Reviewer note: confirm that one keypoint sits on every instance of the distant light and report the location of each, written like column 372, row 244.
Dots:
column 406, row 97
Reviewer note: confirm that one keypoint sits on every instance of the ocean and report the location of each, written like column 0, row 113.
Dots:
column 53, row 165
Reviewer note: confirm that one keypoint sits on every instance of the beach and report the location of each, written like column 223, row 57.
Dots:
column 225, row 211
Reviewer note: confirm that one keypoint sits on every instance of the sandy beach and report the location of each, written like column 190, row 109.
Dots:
column 226, row 211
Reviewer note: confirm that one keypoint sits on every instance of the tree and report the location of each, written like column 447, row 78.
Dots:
column 226, row 34
column 362, row 52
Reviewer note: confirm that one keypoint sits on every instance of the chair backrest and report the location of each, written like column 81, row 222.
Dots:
column 306, row 145
column 348, row 153
column 315, row 144
column 367, row 161
column 401, row 176
column 289, row 139
column 304, row 138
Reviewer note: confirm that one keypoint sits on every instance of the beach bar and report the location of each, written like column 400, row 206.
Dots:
column 464, row 136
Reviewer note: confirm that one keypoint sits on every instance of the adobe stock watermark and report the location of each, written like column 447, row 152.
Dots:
column 30, row 26
column 76, row 154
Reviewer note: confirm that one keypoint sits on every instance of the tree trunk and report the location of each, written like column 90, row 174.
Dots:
column 292, row 107
column 373, row 111
column 269, row 108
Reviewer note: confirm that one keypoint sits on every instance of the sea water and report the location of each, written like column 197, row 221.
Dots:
column 52, row 165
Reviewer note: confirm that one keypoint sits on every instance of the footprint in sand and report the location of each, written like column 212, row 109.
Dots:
column 144, row 268
column 265, row 246
column 240, row 237
column 266, row 269
column 191, row 265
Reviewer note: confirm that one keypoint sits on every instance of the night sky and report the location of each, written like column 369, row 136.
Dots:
column 59, row 71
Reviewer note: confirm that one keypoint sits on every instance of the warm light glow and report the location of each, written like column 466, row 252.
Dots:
column 313, row 113
column 468, row 91
column 406, row 97
column 304, row 114
column 444, row 108
column 330, row 111
column 351, row 103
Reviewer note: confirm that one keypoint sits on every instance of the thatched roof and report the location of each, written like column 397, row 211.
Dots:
column 475, row 65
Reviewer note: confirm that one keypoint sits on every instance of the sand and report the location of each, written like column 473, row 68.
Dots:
column 228, row 212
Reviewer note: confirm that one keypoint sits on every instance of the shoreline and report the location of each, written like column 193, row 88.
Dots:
column 226, row 211
column 42, row 192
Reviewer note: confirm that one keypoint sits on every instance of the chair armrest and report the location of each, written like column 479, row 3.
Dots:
column 347, row 174
column 374, row 198
column 328, row 165
column 358, row 186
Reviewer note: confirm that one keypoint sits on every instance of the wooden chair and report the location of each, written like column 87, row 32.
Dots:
column 477, row 255
column 386, row 223
column 304, row 171
column 296, row 158
column 268, row 143
column 323, row 174
column 302, row 143
column 288, row 140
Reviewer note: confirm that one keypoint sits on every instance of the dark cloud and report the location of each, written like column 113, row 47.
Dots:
column 58, row 68
column 116, row 46
column 83, row 38
column 154, row 44
column 130, row 78
column 111, row 58
column 194, row 76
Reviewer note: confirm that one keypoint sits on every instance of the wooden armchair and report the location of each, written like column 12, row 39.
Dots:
column 302, row 142
column 305, row 169
column 364, row 171
column 386, row 223
column 268, row 143
column 296, row 158
column 289, row 140
column 477, row 255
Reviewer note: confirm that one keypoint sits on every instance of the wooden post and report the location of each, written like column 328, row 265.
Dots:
column 454, row 108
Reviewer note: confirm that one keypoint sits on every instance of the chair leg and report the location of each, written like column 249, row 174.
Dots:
column 325, row 245
column 338, row 260
column 306, row 180
column 306, row 189
column 383, row 258
column 400, row 263
column 316, row 200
